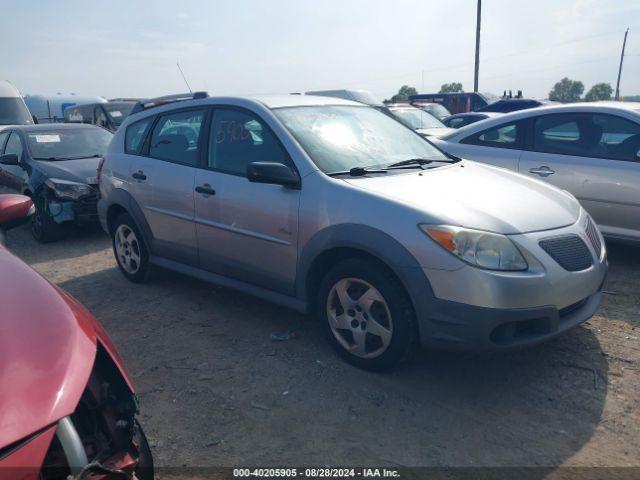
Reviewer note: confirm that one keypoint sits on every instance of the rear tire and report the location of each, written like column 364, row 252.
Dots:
column 129, row 249
column 367, row 314
column 43, row 227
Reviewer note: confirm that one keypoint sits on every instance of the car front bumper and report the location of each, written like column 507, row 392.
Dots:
column 478, row 309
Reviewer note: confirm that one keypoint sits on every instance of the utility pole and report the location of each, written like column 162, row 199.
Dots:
column 624, row 44
column 477, row 70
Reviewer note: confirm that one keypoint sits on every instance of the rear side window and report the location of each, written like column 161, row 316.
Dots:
column 135, row 135
column 176, row 137
column 587, row 135
column 503, row 136
column 239, row 138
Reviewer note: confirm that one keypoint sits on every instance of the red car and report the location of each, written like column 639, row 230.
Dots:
column 67, row 404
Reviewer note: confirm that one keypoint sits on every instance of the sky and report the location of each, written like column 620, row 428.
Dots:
column 118, row 48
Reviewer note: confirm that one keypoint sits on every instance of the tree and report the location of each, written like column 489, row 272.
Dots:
column 566, row 91
column 453, row 87
column 600, row 91
column 404, row 93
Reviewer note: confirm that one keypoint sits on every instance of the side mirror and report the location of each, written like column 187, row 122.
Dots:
column 9, row 159
column 272, row 172
column 638, row 155
column 14, row 211
column 35, row 119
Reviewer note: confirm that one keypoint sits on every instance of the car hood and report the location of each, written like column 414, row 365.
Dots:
column 83, row 170
column 48, row 345
column 478, row 196
column 435, row 132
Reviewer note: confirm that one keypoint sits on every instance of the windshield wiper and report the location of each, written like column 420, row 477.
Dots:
column 357, row 171
column 418, row 162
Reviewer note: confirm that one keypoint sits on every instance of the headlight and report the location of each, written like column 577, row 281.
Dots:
column 480, row 249
column 66, row 190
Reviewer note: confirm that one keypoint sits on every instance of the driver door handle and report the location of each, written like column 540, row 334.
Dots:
column 139, row 175
column 205, row 189
column 543, row 171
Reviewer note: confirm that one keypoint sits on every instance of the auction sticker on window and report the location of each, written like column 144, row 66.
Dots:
column 116, row 113
column 47, row 138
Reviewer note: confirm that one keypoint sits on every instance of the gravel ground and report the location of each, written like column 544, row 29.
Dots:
column 216, row 391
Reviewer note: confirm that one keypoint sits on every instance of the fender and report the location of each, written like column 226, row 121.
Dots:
column 121, row 197
column 374, row 242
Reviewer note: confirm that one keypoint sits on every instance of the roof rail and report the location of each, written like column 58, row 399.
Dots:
column 156, row 102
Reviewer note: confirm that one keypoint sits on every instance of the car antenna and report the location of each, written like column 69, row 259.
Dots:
column 183, row 77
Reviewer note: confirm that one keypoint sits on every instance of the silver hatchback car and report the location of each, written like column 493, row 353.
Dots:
column 589, row 149
column 329, row 206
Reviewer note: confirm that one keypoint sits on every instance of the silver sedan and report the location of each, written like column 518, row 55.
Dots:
column 592, row 150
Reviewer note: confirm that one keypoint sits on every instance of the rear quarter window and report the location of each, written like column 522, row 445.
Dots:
column 135, row 135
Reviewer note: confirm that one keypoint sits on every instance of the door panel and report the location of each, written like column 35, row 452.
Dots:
column 13, row 177
column 246, row 230
column 164, row 183
column 584, row 154
column 166, row 198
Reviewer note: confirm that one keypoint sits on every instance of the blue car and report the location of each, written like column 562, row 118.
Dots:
column 56, row 165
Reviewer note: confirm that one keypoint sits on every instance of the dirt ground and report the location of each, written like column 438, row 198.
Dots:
column 216, row 391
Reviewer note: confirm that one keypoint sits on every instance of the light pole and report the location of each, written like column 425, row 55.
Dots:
column 477, row 69
column 624, row 44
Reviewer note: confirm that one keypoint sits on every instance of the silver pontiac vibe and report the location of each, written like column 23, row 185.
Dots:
column 332, row 207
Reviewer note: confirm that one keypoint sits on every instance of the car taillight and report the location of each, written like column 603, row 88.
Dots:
column 99, row 174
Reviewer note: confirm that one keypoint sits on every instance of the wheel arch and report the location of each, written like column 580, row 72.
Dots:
column 337, row 243
column 120, row 201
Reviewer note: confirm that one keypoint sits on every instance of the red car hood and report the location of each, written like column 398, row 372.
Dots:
column 48, row 345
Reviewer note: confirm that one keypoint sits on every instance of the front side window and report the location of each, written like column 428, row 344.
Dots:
column 3, row 138
column 502, row 136
column 620, row 137
column 14, row 145
column 176, row 137
column 238, row 138
column 68, row 143
column 587, row 135
column 338, row 138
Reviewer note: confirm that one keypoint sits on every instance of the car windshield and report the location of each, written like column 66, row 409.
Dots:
column 66, row 144
column 118, row 111
column 436, row 110
column 14, row 112
column 338, row 138
column 416, row 118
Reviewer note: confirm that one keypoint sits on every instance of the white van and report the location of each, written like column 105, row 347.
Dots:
column 13, row 110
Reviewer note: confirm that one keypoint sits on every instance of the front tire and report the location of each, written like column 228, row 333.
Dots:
column 367, row 314
column 43, row 227
column 129, row 249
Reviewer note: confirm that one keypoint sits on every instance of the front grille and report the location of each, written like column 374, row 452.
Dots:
column 87, row 205
column 569, row 251
column 594, row 238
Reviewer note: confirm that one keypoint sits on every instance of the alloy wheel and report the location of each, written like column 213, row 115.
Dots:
column 127, row 249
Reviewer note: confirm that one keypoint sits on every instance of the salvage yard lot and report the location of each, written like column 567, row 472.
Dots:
column 216, row 391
